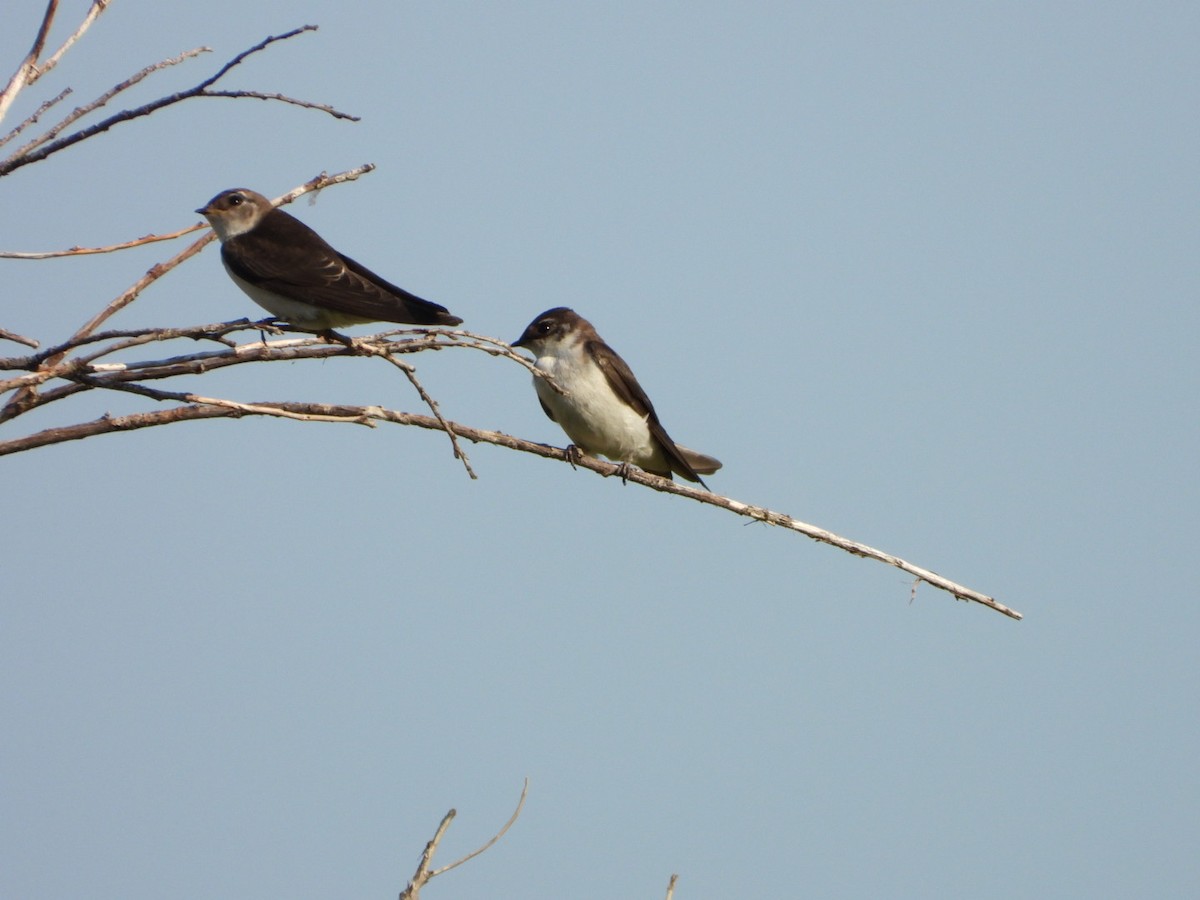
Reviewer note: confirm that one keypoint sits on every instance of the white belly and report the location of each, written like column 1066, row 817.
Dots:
column 594, row 418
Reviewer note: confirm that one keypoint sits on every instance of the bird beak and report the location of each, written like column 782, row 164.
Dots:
column 203, row 210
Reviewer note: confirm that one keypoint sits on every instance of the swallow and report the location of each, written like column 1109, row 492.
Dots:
column 291, row 272
column 604, row 412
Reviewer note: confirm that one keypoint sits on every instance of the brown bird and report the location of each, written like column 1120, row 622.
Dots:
column 605, row 412
column 291, row 272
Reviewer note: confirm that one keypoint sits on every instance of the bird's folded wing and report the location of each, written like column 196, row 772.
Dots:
column 625, row 385
column 323, row 277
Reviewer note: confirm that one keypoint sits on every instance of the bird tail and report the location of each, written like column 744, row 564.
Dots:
column 701, row 464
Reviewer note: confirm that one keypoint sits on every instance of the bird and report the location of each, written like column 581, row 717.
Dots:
column 291, row 272
column 604, row 412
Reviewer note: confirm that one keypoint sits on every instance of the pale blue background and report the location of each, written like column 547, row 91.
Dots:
column 924, row 274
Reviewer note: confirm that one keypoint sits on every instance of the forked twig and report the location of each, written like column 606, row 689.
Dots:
column 28, row 155
column 80, row 111
column 34, row 116
column 93, row 13
column 411, row 372
column 424, row 873
column 30, row 70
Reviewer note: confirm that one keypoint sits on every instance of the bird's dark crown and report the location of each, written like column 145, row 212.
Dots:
column 232, row 199
column 556, row 322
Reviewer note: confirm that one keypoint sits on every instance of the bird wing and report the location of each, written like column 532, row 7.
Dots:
column 287, row 264
column 625, row 385
column 546, row 409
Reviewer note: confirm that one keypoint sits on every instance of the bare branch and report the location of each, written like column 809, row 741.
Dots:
column 109, row 424
column 200, row 90
column 18, row 338
column 93, row 13
column 80, row 111
column 30, row 70
column 261, row 45
column 413, row 891
column 261, row 95
column 411, row 372
column 424, row 873
column 112, row 248
column 35, row 115
column 27, row 70
column 355, row 414
column 123, row 340
column 244, row 408
column 671, row 887
column 86, row 372
column 499, row 834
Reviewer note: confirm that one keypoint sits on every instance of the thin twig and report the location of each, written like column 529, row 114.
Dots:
column 499, row 834
column 411, row 372
column 424, row 873
column 18, row 338
column 33, row 117
column 253, row 409
column 263, row 95
column 199, row 90
column 671, row 887
column 493, row 347
column 93, row 13
column 30, row 69
column 111, row 248
column 80, row 111
column 27, row 71
column 123, row 340
column 51, row 363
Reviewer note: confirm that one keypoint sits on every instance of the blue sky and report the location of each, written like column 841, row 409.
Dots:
column 923, row 274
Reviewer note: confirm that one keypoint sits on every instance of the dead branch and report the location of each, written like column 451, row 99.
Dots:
column 111, row 248
column 30, row 70
column 32, row 118
column 671, row 886
column 129, row 377
column 27, row 71
column 411, row 372
column 80, row 111
column 423, row 874
column 24, row 157
column 18, row 338
column 97, row 7
column 52, row 364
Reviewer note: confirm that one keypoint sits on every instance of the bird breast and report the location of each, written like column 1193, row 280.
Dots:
column 593, row 417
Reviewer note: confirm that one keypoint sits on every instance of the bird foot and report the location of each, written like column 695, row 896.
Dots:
column 336, row 337
column 573, row 454
column 270, row 325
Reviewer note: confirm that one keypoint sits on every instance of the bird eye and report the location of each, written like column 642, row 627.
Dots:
column 543, row 327
column 236, row 199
